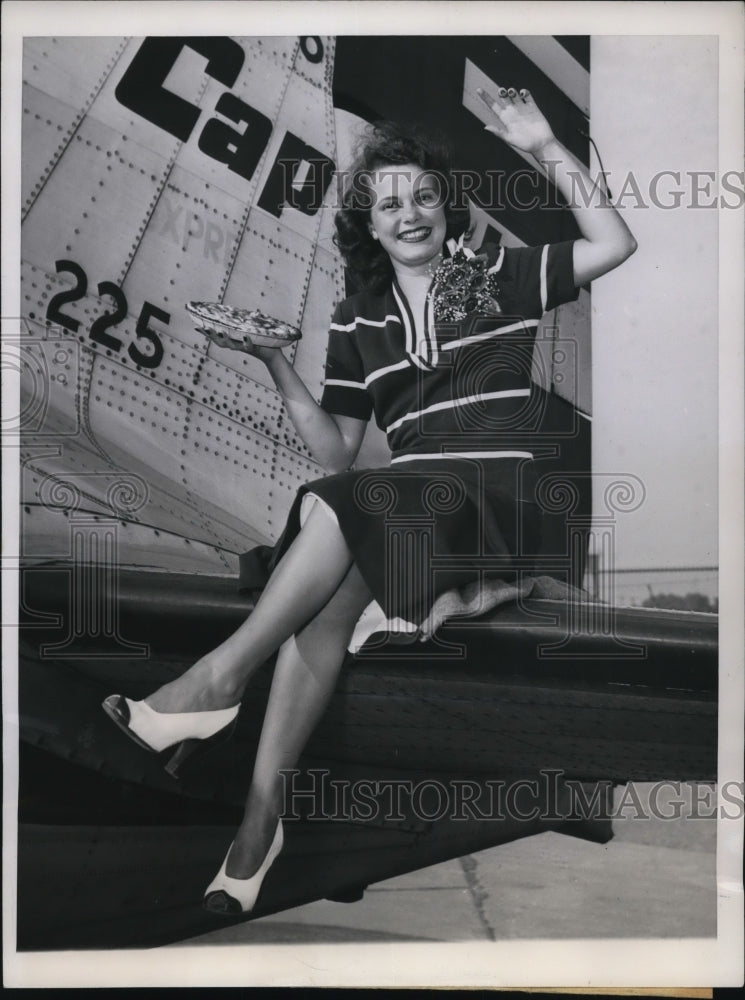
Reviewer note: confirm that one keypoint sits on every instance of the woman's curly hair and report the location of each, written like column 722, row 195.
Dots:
column 389, row 144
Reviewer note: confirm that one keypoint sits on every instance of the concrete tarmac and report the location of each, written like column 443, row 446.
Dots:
column 655, row 879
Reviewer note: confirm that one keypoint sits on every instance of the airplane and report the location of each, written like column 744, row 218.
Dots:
column 162, row 170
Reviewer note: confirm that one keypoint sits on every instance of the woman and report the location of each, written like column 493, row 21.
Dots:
column 445, row 366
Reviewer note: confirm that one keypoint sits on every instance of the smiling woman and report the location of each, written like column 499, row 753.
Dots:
column 395, row 162
column 408, row 218
column 438, row 345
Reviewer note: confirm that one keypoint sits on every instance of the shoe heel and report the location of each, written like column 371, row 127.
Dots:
column 184, row 751
column 190, row 750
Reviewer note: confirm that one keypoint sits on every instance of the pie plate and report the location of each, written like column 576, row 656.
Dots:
column 242, row 325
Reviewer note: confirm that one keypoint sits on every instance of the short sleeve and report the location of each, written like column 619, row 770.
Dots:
column 344, row 390
column 539, row 279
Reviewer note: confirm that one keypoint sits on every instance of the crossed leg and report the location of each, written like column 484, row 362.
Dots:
column 306, row 577
column 308, row 610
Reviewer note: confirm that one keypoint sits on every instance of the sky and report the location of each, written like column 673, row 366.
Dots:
column 655, row 319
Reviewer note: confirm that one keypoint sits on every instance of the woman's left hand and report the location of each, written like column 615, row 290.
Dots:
column 518, row 120
column 246, row 346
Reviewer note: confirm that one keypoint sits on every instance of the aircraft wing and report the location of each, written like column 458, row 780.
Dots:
column 427, row 751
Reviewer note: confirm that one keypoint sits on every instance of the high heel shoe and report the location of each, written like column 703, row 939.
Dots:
column 233, row 896
column 191, row 733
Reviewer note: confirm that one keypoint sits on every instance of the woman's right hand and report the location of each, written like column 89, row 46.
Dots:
column 518, row 119
column 333, row 440
column 220, row 339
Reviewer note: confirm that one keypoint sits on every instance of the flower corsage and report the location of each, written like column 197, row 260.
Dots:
column 464, row 284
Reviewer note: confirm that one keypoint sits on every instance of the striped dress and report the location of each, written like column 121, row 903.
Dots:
column 456, row 505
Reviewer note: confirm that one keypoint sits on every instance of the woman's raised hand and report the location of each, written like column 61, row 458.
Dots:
column 518, row 120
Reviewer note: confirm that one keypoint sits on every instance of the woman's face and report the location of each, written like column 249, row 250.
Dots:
column 408, row 216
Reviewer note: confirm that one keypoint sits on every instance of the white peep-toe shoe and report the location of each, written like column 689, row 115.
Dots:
column 190, row 733
column 232, row 896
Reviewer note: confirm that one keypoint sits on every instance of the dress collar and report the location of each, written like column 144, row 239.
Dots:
column 422, row 352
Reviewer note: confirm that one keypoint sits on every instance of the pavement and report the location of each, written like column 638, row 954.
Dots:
column 655, row 879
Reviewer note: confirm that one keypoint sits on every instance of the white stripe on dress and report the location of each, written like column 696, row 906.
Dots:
column 451, row 403
column 379, row 372
column 522, row 325
column 544, row 281
column 409, row 332
column 462, row 454
column 429, row 323
column 347, row 328
column 345, row 383
column 497, row 265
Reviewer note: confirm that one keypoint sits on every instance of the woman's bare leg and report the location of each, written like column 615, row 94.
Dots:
column 306, row 577
column 304, row 679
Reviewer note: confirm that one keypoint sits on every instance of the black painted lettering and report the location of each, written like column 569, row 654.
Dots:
column 54, row 310
column 152, row 356
column 241, row 151
column 103, row 323
column 141, row 88
column 281, row 188
column 312, row 48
